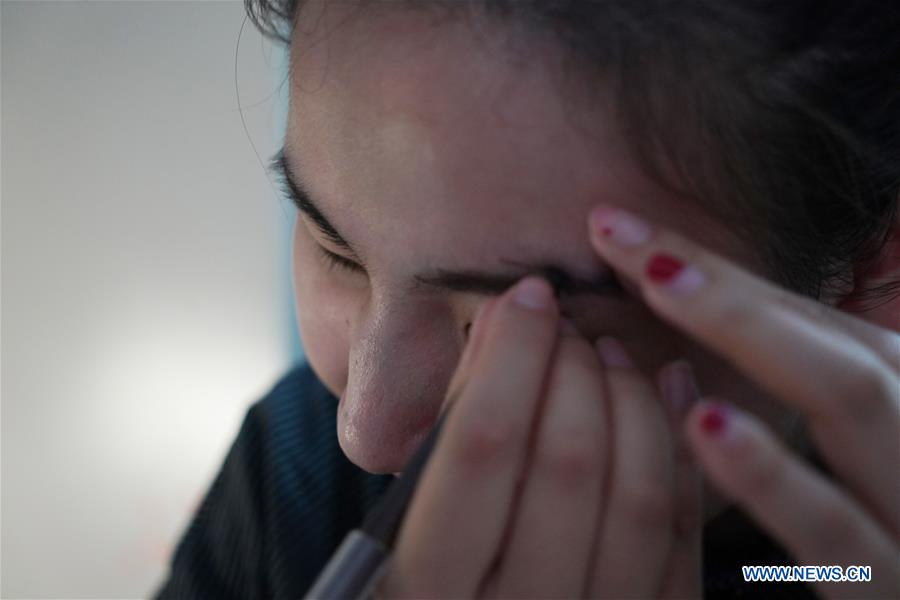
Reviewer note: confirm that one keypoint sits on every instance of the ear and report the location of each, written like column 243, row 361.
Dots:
column 885, row 268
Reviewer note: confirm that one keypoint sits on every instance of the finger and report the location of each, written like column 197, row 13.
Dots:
column 470, row 352
column 462, row 505
column 550, row 547
column 636, row 530
column 816, row 521
column 610, row 232
column 826, row 364
column 683, row 574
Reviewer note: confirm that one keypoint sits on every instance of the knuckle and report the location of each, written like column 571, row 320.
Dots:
column 762, row 474
column 649, row 504
column 568, row 462
column 814, row 310
column 482, row 443
column 736, row 315
column 869, row 391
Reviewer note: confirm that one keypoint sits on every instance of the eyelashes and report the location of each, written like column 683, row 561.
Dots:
column 560, row 281
column 336, row 262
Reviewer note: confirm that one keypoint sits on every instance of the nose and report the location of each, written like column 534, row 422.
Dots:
column 397, row 376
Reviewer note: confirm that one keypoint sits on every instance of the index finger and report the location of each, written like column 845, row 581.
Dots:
column 467, row 492
column 833, row 368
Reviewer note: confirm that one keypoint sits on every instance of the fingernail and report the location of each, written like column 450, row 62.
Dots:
column 620, row 226
column 533, row 293
column 612, row 352
column 714, row 419
column 675, row 275
column 679, row 386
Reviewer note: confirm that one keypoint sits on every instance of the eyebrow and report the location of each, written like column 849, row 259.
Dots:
column 465, row 280
column 295, row 189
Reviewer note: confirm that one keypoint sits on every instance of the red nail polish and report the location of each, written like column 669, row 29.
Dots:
column 662, row 268
column 714, row 420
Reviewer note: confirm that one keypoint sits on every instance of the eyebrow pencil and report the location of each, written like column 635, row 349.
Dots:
column 356, row 566
column 358, row 563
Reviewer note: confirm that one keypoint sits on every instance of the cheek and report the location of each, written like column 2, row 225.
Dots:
column 324, row 312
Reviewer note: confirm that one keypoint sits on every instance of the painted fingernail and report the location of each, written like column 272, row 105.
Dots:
column 675, row 275
column 618, row 225
column 533, row 293
column 714, row 419
column 612, row 352
column 680, row 387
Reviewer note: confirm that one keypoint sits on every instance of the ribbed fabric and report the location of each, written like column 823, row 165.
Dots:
column 286, row 496
column 282, row 503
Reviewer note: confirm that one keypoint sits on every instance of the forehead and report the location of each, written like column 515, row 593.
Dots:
column 455, row 129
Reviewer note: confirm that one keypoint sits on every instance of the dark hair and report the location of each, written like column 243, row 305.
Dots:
column 781, row 117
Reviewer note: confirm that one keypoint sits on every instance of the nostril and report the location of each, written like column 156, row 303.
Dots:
column 466, row 330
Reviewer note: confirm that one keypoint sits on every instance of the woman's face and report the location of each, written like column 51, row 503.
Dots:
column 446, row 163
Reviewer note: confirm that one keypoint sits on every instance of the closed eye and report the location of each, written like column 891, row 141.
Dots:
column 336, row 261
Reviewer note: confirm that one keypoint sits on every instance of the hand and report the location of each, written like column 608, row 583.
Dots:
column 840, row 372
column 554, row 476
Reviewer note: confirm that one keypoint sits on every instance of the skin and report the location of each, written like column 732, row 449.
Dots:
column 435, row 147
column 403, row 146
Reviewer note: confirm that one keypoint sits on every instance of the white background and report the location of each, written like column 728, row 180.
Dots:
column 145, row 279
